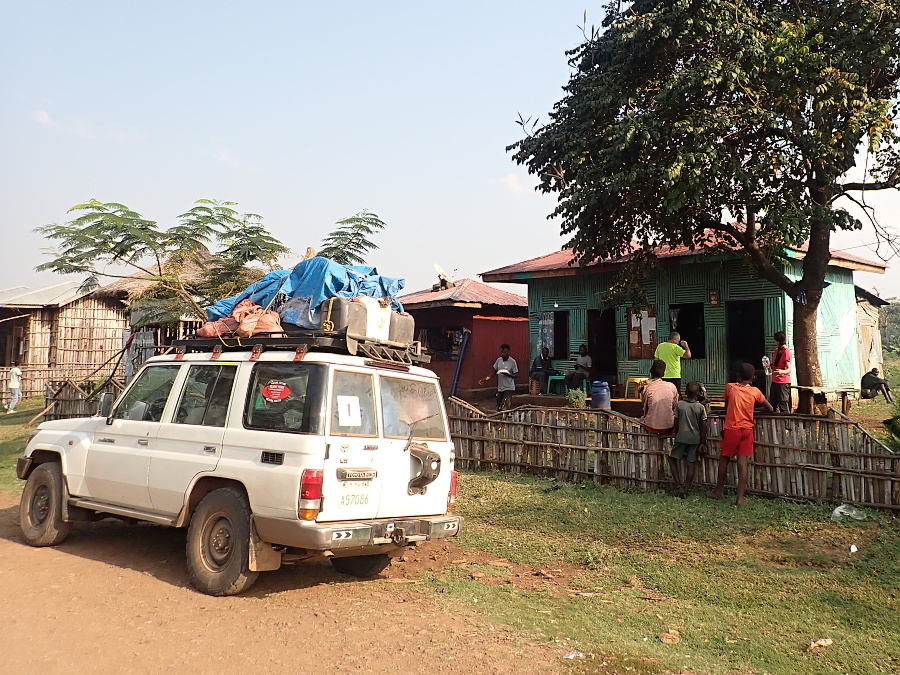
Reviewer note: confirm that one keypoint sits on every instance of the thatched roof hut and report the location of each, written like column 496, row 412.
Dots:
column 141, row 284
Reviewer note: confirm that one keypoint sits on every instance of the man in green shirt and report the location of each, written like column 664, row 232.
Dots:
column 671, row 352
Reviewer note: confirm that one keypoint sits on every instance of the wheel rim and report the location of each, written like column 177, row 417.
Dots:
column 40, row 505
column 218, row 542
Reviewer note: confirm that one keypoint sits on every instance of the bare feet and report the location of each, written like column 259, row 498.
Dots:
column 740, row 503
column 715, row 495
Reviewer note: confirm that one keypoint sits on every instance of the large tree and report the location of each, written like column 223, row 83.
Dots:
column 736, row 122
column 111, row 240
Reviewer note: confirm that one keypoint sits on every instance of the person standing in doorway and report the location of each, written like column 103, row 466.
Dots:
column 582, row 369
column 15, row 386
column 780, row 393
column 506, row 369
column 671, row 352
column 737, row 434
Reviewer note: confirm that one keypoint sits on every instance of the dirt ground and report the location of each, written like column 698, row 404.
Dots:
column 115, row 598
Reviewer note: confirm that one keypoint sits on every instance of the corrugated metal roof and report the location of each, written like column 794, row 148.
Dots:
column 466, row 291
column 565, row 260
column 55, row 295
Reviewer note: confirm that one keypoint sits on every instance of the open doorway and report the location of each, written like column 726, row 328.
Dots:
column 745, row 335
column 602, row 345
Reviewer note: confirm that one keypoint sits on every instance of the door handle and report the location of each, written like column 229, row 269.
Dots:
column 143, row 441
column 209, row 448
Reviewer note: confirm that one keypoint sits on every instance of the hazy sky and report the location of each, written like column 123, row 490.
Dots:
column 302, row 112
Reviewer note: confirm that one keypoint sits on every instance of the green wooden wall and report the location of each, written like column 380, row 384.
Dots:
column 836, row 328
column 690, row 282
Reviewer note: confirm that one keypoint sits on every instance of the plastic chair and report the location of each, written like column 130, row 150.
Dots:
column 556, row 379
column 637, row 381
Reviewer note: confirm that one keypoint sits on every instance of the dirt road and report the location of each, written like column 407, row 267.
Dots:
column 115, row 598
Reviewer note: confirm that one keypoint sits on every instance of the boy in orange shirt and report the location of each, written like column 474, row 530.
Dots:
column 737, row 436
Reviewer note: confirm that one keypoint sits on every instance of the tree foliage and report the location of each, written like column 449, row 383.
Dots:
column 681, row 117
column 212, row 238
column 350, row 241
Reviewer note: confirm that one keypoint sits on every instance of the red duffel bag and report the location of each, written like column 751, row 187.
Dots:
column 222, row 328
column 259, row 320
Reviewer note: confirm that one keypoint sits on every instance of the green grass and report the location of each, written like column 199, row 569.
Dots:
column 13, row 435
column 748, row 590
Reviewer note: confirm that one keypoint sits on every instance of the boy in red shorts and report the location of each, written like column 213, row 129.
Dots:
column 737, row 436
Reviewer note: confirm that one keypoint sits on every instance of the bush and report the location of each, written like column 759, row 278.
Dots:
column 576, row 398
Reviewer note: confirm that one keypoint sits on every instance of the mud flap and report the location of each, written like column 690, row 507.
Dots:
column 431, row 468
column 263, row 558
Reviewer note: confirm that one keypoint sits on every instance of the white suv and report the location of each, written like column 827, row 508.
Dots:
column 265, row 456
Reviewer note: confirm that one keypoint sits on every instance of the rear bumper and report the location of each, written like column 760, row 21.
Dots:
column 381, row 532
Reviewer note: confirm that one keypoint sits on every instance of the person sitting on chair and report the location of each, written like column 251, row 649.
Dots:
column 541, row 369
column 582, row 369
column 871, row 385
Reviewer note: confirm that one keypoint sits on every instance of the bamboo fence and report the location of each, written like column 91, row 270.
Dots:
column 796, row 456
column 72, row 399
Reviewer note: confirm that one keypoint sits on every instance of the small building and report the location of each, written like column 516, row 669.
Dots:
column 868, row 321
column 57, row 333
column 462, row 326
column 718, row 303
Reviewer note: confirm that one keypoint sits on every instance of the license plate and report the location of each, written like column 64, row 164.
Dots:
column 351, row 500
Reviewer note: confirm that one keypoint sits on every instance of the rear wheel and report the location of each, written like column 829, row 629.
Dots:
column 218, row 544
column 361, row 565
column 40, row 511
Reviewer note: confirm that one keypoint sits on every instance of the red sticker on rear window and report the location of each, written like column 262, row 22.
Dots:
column 276, row 391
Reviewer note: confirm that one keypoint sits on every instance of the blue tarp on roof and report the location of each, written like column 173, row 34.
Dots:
column 318, row 279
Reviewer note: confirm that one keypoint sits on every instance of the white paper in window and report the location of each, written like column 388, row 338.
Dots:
column 349, row 412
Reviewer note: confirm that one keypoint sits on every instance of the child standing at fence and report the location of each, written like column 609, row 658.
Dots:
column 737, row 435
column 690, row 439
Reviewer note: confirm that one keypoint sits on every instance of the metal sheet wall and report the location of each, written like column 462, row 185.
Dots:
column 488, row 333
column 690, row 282
column 836, row 328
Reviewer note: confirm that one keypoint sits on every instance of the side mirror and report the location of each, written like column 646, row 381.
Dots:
column 104, row 407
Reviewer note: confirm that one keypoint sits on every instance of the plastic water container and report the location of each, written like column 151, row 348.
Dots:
column 600, row 397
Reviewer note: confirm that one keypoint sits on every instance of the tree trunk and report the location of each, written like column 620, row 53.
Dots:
column 806, row 353
column 815, row 266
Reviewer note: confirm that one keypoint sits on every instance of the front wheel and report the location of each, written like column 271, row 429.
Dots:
column 218, row 544
column 40, row 511
column 361, row 565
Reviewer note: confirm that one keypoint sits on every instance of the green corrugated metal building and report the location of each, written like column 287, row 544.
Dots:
column 720, row 305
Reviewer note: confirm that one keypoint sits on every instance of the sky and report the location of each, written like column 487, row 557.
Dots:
column 302, row 112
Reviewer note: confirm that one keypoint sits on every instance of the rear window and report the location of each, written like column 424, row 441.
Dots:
column 353, row 405
column 412, row 406
column 286, row 397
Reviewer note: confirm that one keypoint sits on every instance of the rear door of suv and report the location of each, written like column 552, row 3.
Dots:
column 415, row 430
column 354, row 466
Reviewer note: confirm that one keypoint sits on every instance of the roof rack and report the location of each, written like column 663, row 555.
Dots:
column 340, row 342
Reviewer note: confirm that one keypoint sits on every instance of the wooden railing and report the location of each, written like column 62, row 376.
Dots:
column 72, row 399
column 796, row 456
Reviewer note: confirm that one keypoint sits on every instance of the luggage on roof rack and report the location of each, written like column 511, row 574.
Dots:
column 310, row 340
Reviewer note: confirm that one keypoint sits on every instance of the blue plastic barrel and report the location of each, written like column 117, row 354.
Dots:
column 600, row 397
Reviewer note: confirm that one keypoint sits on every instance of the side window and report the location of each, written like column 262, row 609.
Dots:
column 353, row 405
column 286, row 397
column 411, row 405
column 206, row 394
column 147, row 395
